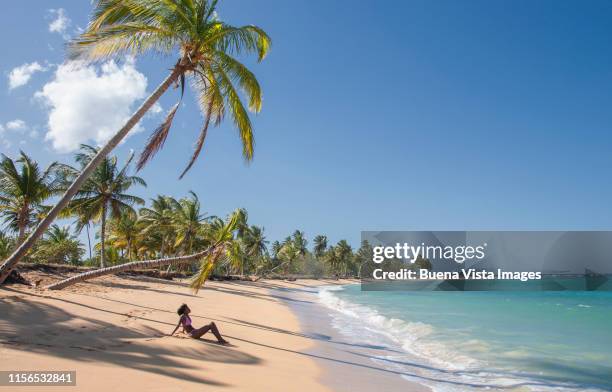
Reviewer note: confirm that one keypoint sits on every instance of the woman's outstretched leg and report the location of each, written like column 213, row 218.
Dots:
column 198, row 333
column 215, row 331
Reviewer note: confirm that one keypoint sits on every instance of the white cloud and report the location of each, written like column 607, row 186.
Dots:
column 21, row 75
column 89, row 103
column 60, row 22
column 11, row 129
column 16, row 125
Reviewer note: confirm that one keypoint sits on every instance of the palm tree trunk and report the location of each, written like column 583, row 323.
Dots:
column 88, row 240
column 157, row 263
column 161, row 252
column 161, row 248
column 102, row 232
column 12, row 260
column 21, row 234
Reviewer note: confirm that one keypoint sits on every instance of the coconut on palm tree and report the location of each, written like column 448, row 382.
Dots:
column 24, row 187
column 206, row 50
column 103, row 195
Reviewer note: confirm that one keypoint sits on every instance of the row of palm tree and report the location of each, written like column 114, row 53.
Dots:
column 166, row 228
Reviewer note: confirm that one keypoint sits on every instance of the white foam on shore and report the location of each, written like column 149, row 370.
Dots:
column 410, row 336
column 361, row 323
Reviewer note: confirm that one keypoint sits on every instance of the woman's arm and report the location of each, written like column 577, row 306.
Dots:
column 177, row 326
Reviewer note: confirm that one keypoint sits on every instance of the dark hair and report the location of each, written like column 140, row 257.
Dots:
column 182, row 309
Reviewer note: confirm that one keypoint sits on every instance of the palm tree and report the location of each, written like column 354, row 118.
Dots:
column 256, row 242
column 276, row 248
column 206, row 48
column 332, row 258
column 363, row 255
column 345, row 256
column 250, row 246
column 23, row 191
column 187, row 221
column 159, row 219
column 59, row 245
column 104, row 193
column 242, row 225
column 6, row 244
column 123, row 232
column 289, row 253
column 221, row 238
column 237, row 257
column 83, row 222
column 299, row 240
column 230, row 253
column 320, row 246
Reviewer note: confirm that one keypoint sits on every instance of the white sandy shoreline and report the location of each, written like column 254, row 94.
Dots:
column 112, row 332
column 348, row 366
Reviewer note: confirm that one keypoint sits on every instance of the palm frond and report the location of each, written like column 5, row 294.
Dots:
column 239, row 115
column 157, row 139
column 207, row 266
column 199, row 143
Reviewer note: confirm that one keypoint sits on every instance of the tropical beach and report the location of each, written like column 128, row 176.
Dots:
column 297, row 196
column 114, row 333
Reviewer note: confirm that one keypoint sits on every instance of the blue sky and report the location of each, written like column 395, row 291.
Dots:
column 396, row 115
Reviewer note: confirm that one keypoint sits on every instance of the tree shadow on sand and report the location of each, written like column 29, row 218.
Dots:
column 50, row 330
column 248, row 324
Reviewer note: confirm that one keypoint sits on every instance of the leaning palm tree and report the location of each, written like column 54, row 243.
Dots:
column 206, row 49
column 221, row 239
column 23, row 190
column 104, row 193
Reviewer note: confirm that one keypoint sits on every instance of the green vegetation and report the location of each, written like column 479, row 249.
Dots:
column 168, row 232
column 23, row 190
column 206, row 50
column 104, row 193
column 58, row 245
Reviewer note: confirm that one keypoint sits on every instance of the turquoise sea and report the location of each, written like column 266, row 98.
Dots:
column 457, row 341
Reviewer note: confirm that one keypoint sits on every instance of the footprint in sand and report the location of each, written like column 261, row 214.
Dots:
column 134, row 315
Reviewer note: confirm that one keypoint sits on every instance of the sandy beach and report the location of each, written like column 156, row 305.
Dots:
column 114, row 332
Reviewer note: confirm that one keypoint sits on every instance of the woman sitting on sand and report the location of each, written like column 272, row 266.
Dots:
column 185, row 321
